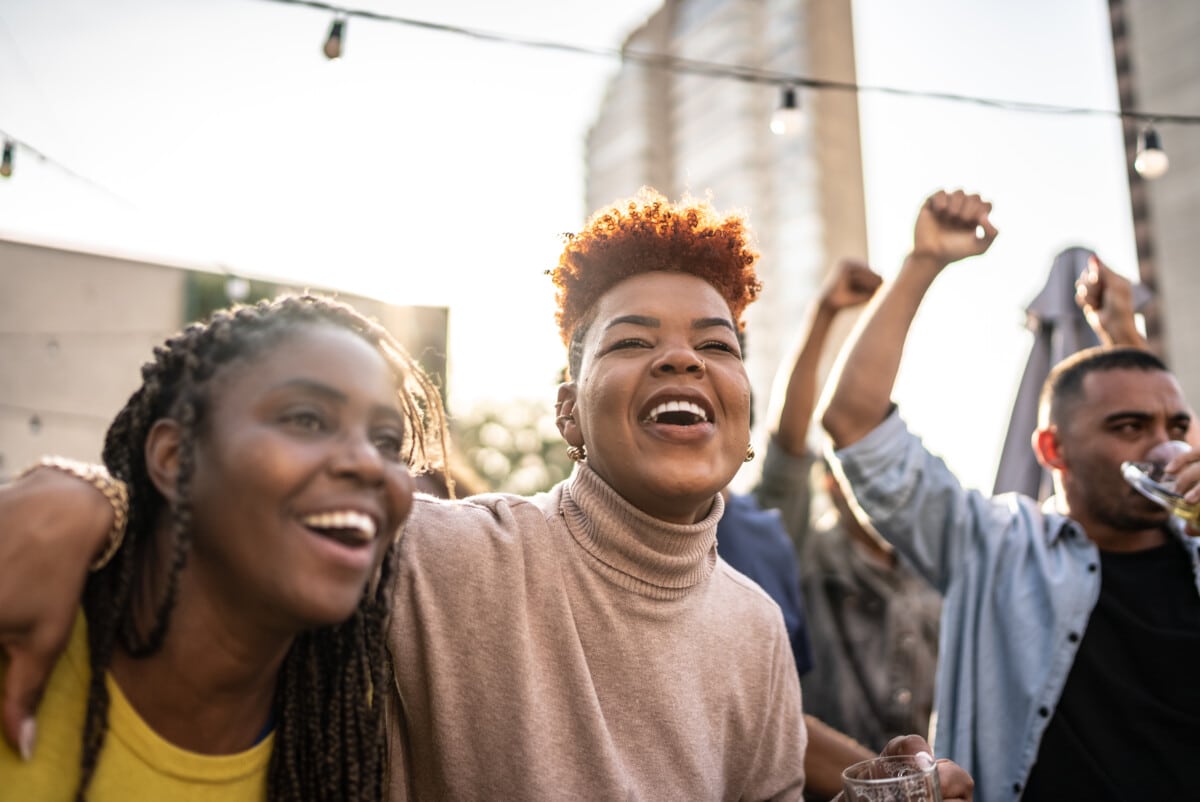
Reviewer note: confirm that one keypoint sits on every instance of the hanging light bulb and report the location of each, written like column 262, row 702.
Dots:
column 6, row 161
column 1151, row 161
column 333, row 42
column 787, row 118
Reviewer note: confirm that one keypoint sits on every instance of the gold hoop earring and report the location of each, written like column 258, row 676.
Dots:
column 749, row 452
column 577, row 453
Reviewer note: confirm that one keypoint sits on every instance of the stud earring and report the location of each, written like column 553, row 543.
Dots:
column 577, row 453
column 749, row 452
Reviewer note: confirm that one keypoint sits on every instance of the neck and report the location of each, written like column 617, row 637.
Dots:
column 211, row 687
column 1108, row 538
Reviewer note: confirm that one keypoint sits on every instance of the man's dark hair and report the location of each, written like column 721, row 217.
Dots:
column 1064, row 385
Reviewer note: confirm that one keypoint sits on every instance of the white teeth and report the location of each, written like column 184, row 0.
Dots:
column 343, row 520
column 677, row 406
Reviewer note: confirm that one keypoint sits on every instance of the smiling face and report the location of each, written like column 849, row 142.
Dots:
column 299, row 481
column 662, row 400
column 1120, row 415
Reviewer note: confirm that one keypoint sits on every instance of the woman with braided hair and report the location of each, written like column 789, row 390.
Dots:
column 588, row 642
column 233, row 648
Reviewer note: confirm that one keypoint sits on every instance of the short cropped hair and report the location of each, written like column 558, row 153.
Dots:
column 646, row 234
column 1064, row 384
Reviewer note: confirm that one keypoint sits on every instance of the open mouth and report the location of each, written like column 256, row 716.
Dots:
column 345, row 526
column 677, row 413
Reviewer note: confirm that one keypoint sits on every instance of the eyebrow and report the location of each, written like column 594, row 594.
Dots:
column 325, row 391
column 1138, row 415
column 654, row 323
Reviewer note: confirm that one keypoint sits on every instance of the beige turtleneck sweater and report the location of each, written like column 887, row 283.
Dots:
column 570, row 647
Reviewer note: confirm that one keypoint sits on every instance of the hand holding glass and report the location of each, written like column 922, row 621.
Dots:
column 897, row 778
column 1148, row 478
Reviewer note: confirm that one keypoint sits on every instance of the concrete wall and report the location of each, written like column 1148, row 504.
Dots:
column 76, row 327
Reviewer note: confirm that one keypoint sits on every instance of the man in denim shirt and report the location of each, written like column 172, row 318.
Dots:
column 1070, row 631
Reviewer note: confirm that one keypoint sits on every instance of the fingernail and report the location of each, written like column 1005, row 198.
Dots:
column 924, row 759
column 27, row 737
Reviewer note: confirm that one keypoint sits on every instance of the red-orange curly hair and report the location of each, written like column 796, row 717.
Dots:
column 650, row 233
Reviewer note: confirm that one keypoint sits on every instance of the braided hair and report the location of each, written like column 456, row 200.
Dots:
column 335, row 748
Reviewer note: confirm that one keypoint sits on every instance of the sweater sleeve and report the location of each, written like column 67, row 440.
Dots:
column 779, row 765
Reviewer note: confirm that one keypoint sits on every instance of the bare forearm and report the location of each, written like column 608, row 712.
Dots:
column 829, row 753
column 862, row 390
column 800, row 398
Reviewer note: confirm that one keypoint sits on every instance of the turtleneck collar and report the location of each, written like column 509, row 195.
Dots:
column 635, row 550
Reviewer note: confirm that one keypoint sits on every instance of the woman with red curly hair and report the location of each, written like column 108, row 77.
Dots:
column 585, row 643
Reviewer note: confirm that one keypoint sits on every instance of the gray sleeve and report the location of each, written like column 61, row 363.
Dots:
column 786, row 485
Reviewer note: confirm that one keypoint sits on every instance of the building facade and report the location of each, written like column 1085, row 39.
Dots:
column 693, row 134
column 75, row 328
column 1158, row 69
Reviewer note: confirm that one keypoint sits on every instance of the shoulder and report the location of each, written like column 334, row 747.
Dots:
column 742, row 599
column 462, row 532
column 747, row 528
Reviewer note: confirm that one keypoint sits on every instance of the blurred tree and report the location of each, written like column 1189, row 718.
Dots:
column 514, row 447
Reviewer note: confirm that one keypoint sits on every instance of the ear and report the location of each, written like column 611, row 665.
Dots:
column 162, row 456
column 568, row 427
column 1048, row 448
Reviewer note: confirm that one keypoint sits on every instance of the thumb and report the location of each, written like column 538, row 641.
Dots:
column 990, row 232
column 24, row 682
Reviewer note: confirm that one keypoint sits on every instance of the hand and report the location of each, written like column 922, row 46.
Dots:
column 947, row 225
column 1185, row 468
column 851, row 283
column 1106, row 298
column 45, row 547
column 956, row 783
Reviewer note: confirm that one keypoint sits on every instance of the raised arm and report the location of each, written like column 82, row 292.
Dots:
column 52, row 526
column 945, row 232
column 851, row 283
column 1106, row 298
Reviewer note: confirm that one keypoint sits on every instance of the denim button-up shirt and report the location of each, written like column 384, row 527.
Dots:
column 1020, row 582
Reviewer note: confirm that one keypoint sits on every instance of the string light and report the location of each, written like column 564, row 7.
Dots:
column 1151, row 161
column 6, row 162
column 788, row 118
column 333, row 42
column 738, row 72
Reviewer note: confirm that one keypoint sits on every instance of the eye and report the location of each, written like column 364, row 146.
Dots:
column 629, row 342
column 389, row 442
column 719, row 345
column 308, row 420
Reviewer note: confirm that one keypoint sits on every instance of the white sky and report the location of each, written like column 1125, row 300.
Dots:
column 428, row 168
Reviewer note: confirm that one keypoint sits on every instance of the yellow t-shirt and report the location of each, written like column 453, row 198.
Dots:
column 135, row 763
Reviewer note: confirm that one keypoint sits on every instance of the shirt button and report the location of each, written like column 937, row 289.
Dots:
column 1073, row 637
column 1091, row 568
column 902, row 695
column 1043, row 712
column 1016, row 788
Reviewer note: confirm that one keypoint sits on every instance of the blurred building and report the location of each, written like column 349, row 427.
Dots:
column 75, row 328
column 803, row 192
column 1158, row 69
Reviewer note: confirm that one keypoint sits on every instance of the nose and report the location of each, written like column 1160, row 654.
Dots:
column 356, row 456
column 681, row 360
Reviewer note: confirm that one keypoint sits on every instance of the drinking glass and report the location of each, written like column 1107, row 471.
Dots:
column 897, row 778
column 1148, row 478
